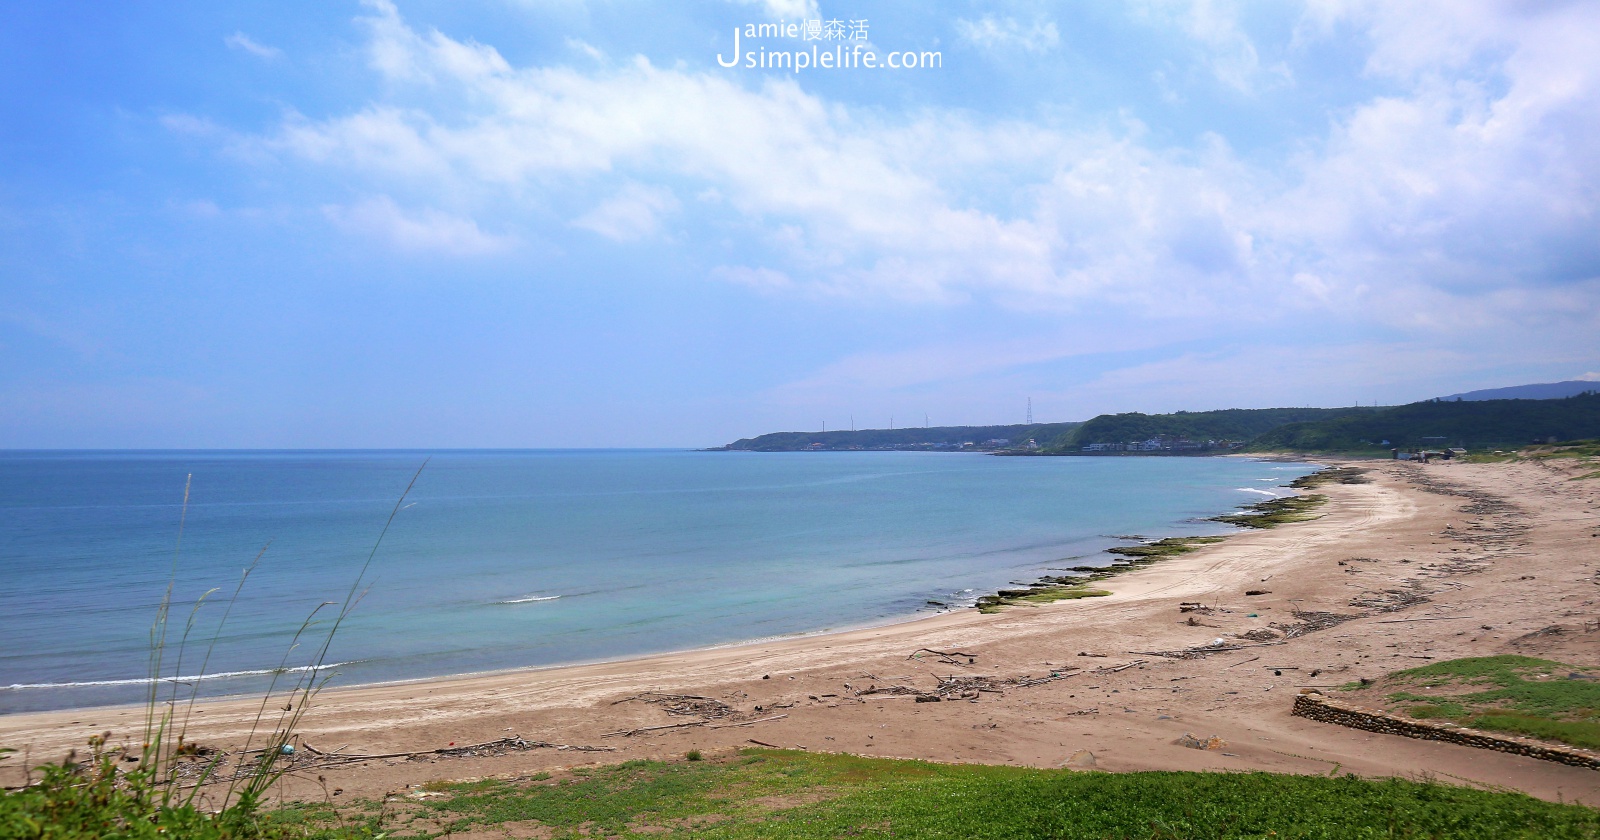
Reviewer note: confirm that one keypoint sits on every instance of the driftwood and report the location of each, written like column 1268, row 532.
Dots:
column 1198, row 652
column 1438, row 618
column 643, row 729
column 949, row 657
column 682, row 704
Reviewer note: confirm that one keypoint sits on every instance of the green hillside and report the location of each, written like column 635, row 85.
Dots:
column 1235, row 424
column 1485, row 424
column 933, row 437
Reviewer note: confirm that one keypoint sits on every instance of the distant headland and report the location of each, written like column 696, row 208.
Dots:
column 1471, row 424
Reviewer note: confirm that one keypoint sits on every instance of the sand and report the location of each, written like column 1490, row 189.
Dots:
column 1517, row 556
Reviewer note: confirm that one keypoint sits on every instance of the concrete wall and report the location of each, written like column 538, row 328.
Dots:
column 1318, row 707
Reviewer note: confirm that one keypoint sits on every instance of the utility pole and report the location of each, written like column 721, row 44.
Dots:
column 852, row 422
column 1030, row 411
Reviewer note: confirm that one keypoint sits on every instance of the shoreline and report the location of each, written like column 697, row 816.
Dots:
column 1125, row 708
column 1120, row 563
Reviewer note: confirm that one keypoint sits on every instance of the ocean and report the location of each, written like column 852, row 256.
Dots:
column 506, row 559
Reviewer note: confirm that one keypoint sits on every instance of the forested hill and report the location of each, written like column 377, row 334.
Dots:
column 1470, row 424
column 1232, row 424
column 932, row 437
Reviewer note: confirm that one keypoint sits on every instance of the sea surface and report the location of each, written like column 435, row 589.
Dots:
column 505, row 559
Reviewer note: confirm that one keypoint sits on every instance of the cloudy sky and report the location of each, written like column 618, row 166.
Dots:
column 538, row 223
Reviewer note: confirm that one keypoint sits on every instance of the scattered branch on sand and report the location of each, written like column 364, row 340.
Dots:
column 1310, row 622
column 949, row 657
column 643, row 729
column 1435, row 618
column 1199, row 652
column 748, row 722
column 683, row 704
column 499, row 746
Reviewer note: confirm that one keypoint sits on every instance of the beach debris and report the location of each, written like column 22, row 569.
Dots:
column 1310, row 621
column 950, row 657
column 1096, row 655
column 1201, row 651
column 1258, row 592
column 682, row 704
column 1189, row 740
column 1389, row 600
column 1260, row 634
column 625, row 733
column 1194, row 606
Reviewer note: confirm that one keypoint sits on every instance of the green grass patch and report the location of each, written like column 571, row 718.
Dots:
column 1275, row 512
column 1167, row 547
column 1331, row 475
column 90, row 803
column 1045, row 593
column 1052, row 589
column 787, row 795
column 1519, row 695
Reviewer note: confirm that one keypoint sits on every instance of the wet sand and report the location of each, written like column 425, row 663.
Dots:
column 1495, row 552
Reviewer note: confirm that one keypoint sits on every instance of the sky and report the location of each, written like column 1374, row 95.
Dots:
column 570, row 223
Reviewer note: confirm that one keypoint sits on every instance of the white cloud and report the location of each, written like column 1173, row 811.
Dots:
column 1591, row 376
column 634, row 213
column 241, row 41
column 1226, row 50
column 785, row 10
column 1436, row 209
column 1006, row 34
column 428, row 230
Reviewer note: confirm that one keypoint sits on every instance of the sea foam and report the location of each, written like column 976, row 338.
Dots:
column 224, row 675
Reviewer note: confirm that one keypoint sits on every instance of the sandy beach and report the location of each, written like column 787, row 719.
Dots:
column 1494, row 555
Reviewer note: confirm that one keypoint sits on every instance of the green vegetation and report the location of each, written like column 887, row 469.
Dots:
column 1331, row 475
column 1519, row 695
column 786, row 794
column 1166, row 547
column 151, row 790
column 93, row 800
column 934, row 437
column 1045, row 592
column 1274, row 512
column 1051, row 589
column 1485, row 424
column 1237, row 424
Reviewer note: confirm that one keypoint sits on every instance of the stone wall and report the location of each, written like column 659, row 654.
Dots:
column 1317, row 707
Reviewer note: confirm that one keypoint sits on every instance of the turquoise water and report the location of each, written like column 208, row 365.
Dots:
column 505, row 559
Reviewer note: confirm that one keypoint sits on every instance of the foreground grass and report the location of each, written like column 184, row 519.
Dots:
column 1519, row 695
column 783, row 794
column 91, row 803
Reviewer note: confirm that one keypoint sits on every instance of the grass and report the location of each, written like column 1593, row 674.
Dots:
column 1275, row 512
column 787, row 795
column 1166, row 547
column 1518, row 695
column 1582, row 449
column 1041, row 593
column 1331, row 475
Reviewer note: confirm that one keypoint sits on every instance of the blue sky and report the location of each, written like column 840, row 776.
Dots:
column 564, row 223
